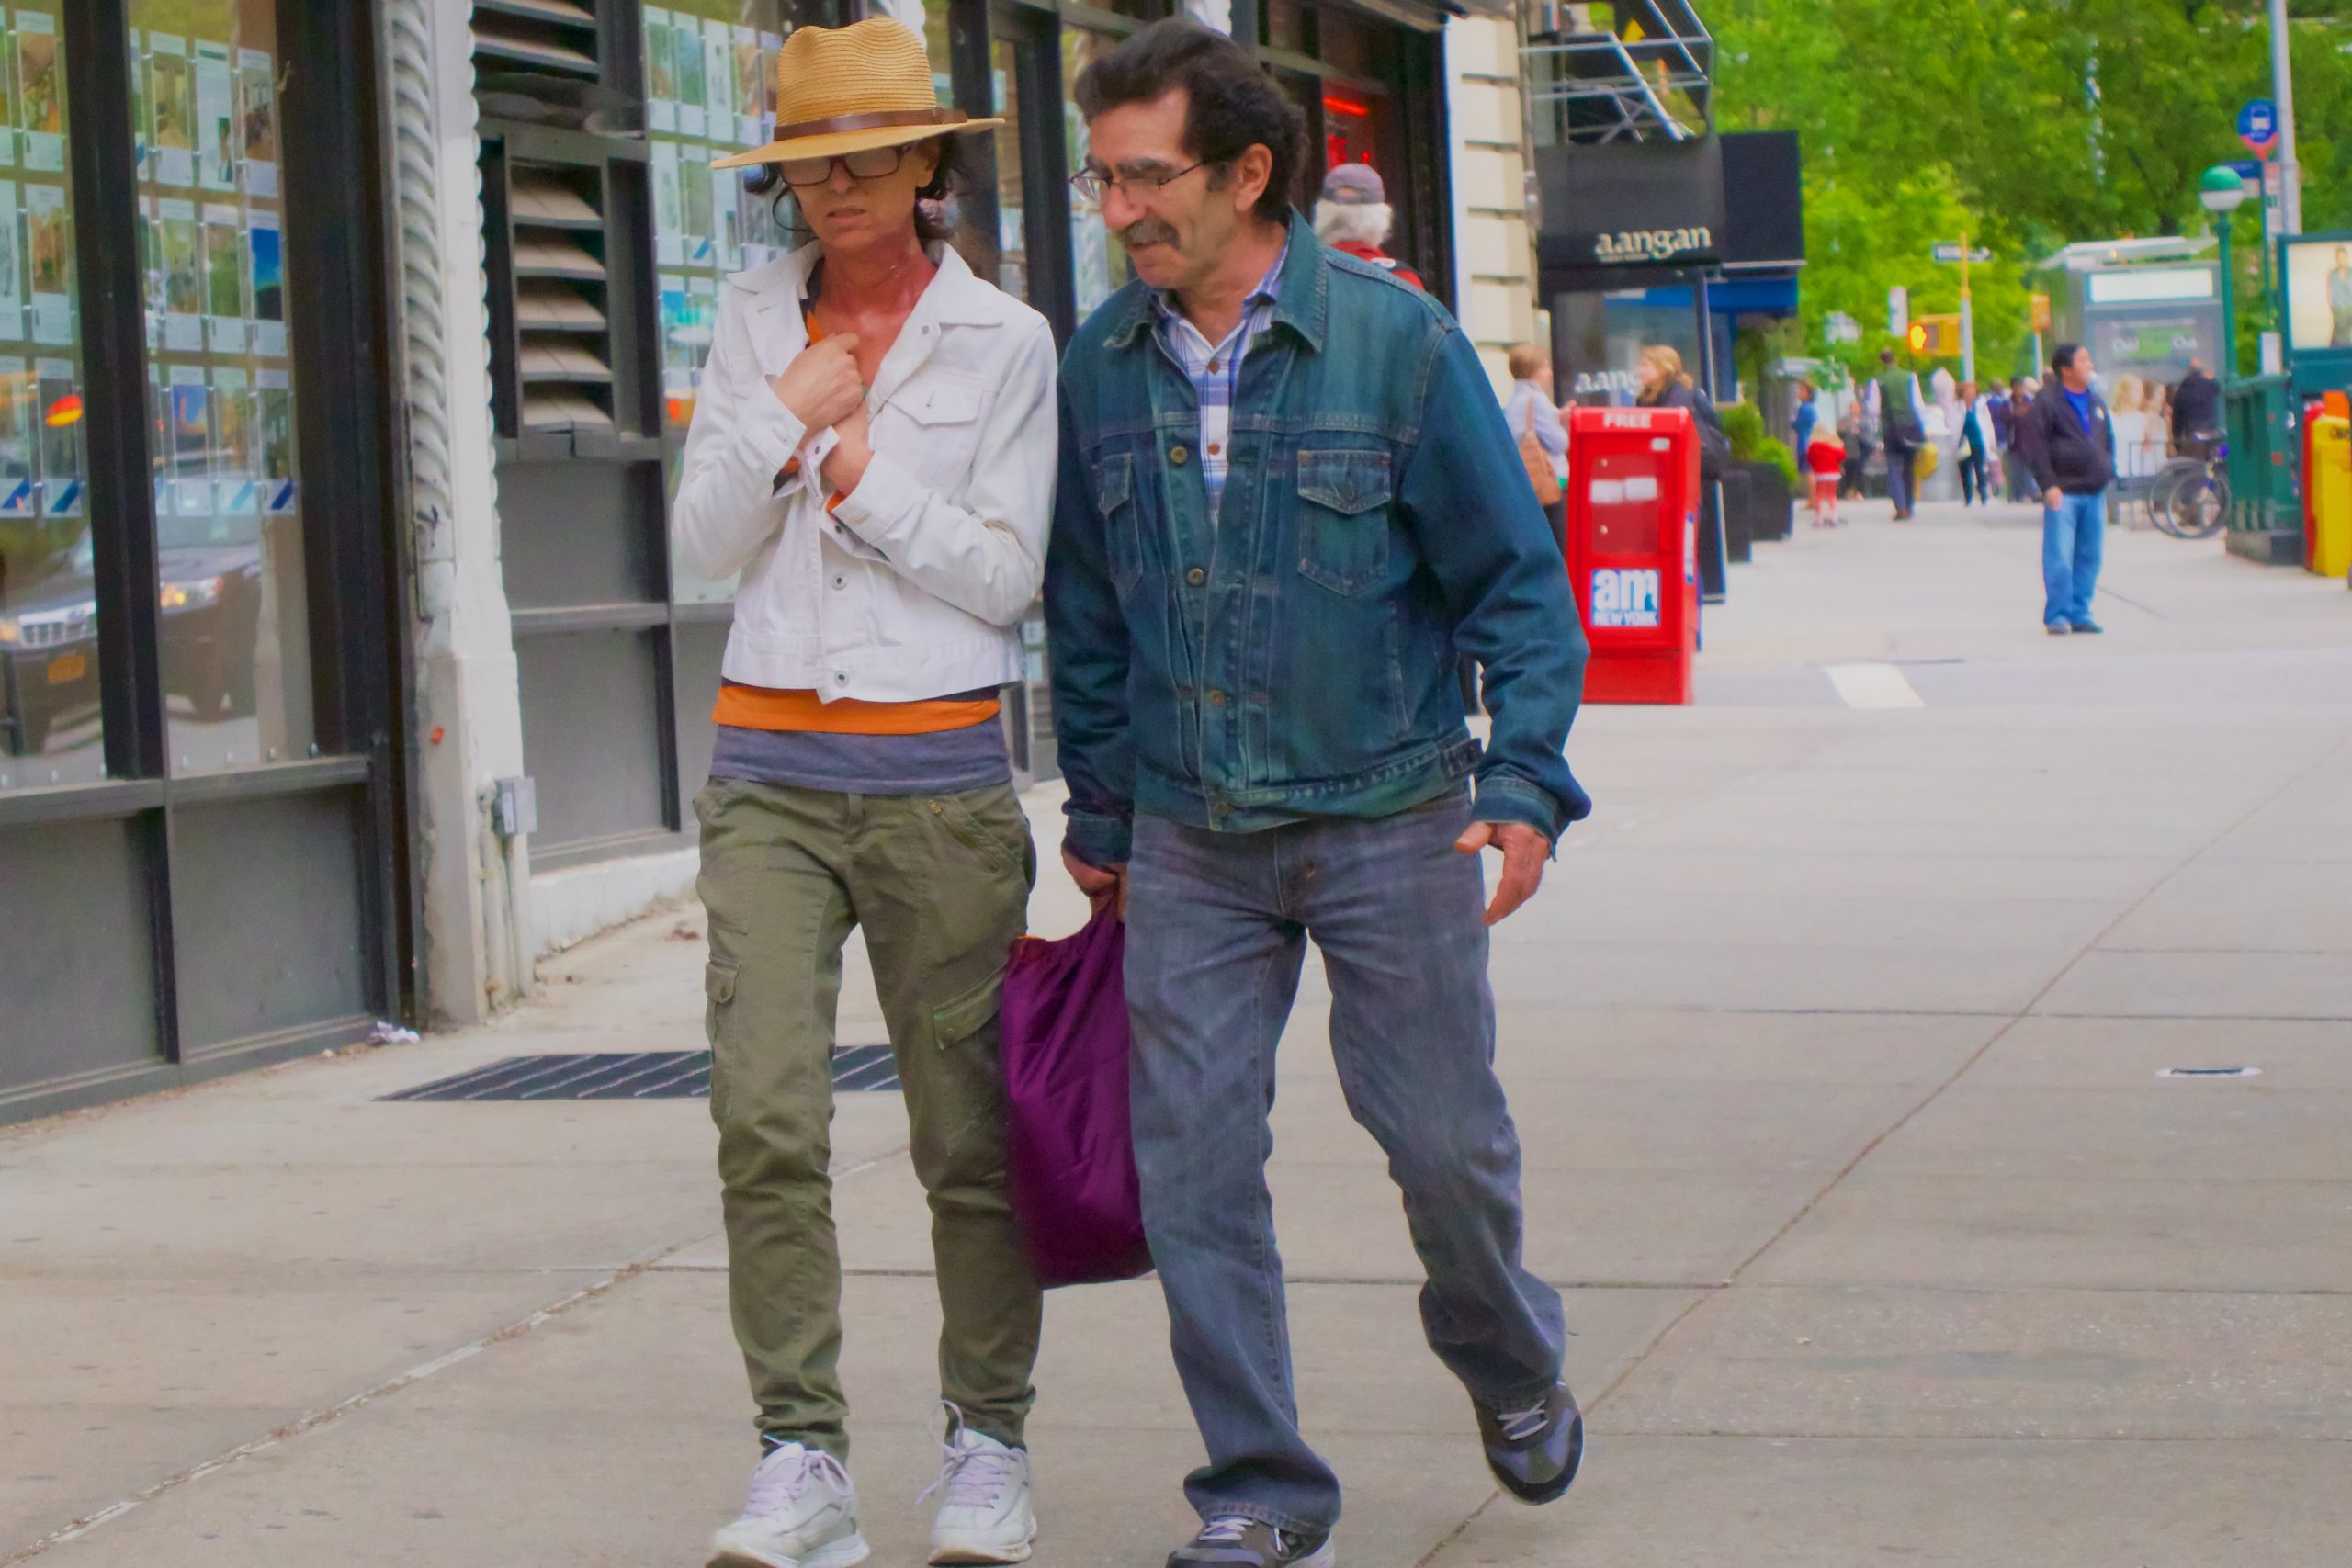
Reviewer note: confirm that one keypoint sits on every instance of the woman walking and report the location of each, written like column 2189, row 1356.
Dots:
column 873, row 450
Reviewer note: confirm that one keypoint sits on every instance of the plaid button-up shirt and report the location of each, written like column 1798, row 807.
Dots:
column 1215, row 370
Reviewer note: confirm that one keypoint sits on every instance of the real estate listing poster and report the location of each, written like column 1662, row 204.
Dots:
column 48, row 246
column 265, row 254
column 216, row 117
column 159, row 400
column 747, row 87
column 661, row 72
column 686, row 44
column 17, row 479
column 182, row 275
column 61, row 437
column 12, row 268
column 224, row 279
column 668, row 208
column 234, row 493
column 727, row 220
column 274, row 437
column 41, row 91
column 191, row 442
column 696, row 227
column 719, row 78
column 173, row 86
column 257, row 88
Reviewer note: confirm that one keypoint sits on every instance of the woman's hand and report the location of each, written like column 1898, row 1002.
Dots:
column 821, row 386
column 844, row 466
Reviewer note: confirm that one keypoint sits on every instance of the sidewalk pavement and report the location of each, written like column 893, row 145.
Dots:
column 1835, row 1039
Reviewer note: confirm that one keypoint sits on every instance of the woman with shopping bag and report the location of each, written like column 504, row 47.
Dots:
column 873, row 450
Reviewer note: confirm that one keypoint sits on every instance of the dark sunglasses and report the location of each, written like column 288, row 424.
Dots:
column 865, row 163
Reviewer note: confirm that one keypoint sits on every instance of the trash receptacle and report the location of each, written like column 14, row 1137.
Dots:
column 2327, row 501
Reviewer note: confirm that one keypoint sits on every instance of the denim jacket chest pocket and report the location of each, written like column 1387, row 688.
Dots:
column 1114, row 497
column 1343, row 524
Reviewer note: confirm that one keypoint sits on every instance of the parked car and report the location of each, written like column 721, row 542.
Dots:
column 49, row 652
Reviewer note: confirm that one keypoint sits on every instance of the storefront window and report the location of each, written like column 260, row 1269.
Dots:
column 234, row 616
column 710, row 91
column 1098, row 262
column 1012, row 216
column 49, row 723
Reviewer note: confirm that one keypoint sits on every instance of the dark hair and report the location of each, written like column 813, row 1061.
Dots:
column 2062, row 356
column 1887, row 357
column 1230, row 104
column 946, row 180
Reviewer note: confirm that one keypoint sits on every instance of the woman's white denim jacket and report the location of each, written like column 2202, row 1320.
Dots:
column 911, row 586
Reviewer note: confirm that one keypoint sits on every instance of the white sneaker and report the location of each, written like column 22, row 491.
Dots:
column 802, row 1513
column 985, row 1517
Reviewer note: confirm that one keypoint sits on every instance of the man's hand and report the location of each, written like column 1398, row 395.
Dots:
column 822, row 385
column 1102, row 884
column 2053, row 498
column 1524, row 852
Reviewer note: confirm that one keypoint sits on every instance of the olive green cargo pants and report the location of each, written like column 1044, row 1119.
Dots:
column 940, row 885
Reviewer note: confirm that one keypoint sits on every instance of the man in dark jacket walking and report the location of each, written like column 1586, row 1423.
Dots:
column 2070, row 441
column 2196, row 412
column 2011, row 412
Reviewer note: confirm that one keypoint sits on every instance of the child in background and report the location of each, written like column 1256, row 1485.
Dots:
column 1825, row 456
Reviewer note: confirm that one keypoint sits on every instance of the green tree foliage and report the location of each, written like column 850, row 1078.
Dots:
column 2027, row 124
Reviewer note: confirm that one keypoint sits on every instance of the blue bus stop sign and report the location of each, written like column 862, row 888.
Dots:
column 2258, row 124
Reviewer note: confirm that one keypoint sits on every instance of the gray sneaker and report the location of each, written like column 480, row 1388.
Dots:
column 1534, row 1452
column 1234, row 1541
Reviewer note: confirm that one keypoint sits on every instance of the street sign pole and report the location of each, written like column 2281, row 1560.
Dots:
column 2282, row 71
column 1967, row 317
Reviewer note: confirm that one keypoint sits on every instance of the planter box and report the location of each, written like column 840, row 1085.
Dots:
column 1771, row 506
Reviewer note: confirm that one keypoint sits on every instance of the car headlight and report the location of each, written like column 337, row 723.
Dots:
column 186, row 595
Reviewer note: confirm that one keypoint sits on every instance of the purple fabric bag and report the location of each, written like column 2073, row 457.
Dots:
column 1065, row 1042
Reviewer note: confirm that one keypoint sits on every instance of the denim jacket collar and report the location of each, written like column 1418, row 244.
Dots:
column 1302, row 305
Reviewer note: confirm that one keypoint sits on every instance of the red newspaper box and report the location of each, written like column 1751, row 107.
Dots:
column 1631, row 549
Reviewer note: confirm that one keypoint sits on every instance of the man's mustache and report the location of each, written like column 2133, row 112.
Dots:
column 1148, row 232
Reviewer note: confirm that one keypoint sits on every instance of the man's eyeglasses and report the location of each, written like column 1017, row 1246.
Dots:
column 1094, row 184
column 865, row 163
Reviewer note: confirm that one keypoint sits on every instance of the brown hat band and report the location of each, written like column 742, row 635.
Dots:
column 840, row 122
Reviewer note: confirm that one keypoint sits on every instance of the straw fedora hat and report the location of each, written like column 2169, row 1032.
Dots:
column 844, row 89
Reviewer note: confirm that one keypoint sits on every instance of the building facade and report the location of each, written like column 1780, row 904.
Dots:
column 345, row 663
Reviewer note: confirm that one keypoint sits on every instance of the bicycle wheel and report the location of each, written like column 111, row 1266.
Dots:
column 2202, row 508
column 2165, row 492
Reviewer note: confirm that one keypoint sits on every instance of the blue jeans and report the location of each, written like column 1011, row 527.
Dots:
column 2073, row 540
column 1899, row 478
column 1216, row 927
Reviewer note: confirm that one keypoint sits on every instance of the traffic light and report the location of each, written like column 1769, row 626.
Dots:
column 1918, row 336
column 2042, row 312
column 1938, row 337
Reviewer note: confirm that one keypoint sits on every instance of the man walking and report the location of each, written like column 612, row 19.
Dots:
column 1902, row 429
column 2008, row 415
column 1287, row 498
column 2070, row 441
column 2196, row 413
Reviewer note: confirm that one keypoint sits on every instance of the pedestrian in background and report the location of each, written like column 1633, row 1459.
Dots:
column 1854, row 431
column 2069, row 436
column 874, row 451
column 1807, row 416
column 1264, row 745
column 2196, row 412
column 1976, row 446
column 1665, row 385
column 1353, row 218
column 2016, row 468
column 1902, row 429
column 1532, row 416
column 1824, row 458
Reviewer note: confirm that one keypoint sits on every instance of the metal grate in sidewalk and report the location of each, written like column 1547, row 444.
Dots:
column 630, row 1074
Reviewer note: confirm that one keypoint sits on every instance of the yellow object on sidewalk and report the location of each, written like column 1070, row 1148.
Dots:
column 2330, row 554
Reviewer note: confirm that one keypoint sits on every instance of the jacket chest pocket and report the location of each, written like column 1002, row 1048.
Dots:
column 1344, row 518
column 1114, row 497
column 941, row 432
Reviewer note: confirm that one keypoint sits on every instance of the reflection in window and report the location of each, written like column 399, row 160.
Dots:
column 710, row 91
column 1098, row 262
column 234, row 616
column 1011, row 235
column 50, row 722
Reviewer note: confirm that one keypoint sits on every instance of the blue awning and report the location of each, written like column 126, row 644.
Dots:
column 1732, row 296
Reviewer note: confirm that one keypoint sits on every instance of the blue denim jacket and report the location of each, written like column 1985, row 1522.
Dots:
column 1299, row 657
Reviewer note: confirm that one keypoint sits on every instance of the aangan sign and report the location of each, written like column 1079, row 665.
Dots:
column 1634, row 246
